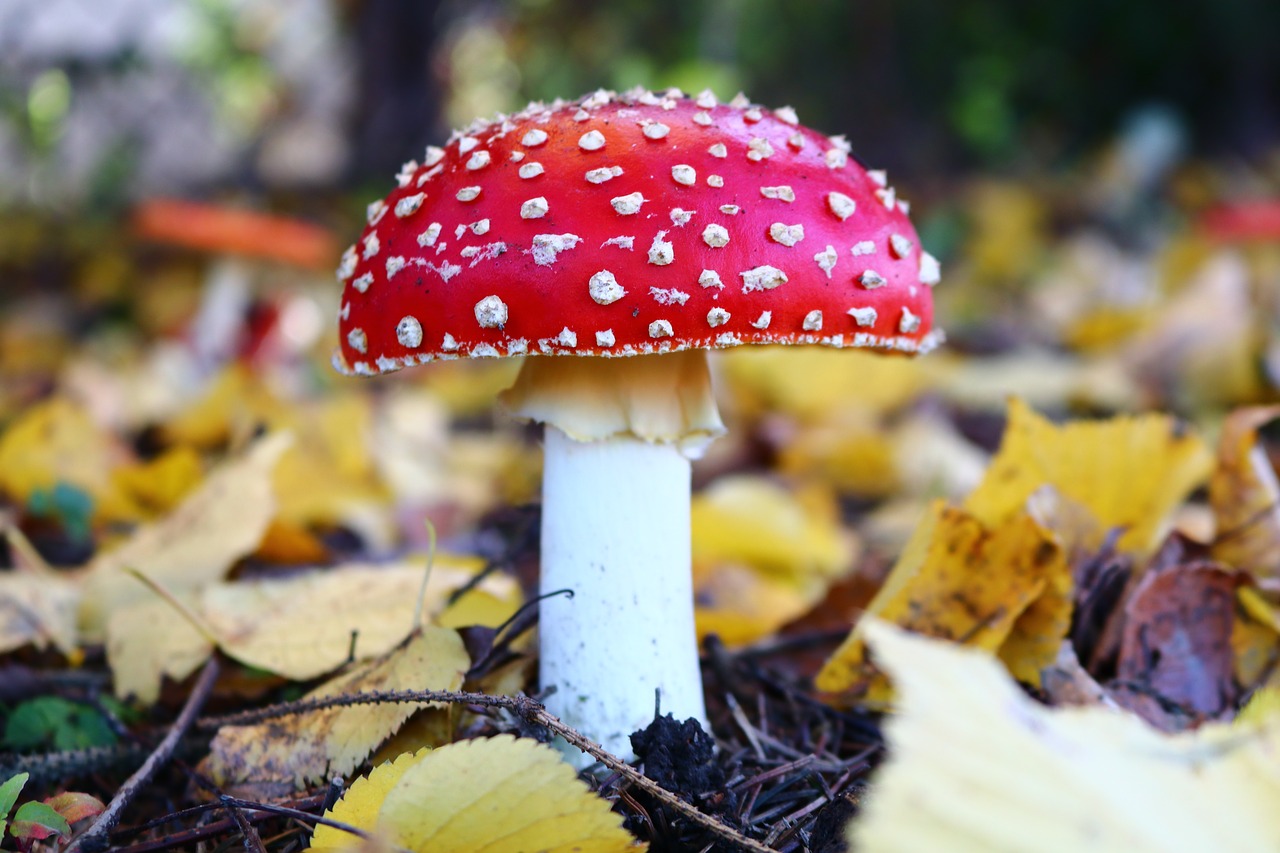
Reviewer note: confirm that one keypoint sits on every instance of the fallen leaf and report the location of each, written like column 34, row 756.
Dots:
column 148, row 641
column 975, row 765
column 762, row 555
column 56, row 442
column 1176, row 645
column 365, row 610
column 272, row 624
column 1131, row 472
column 499, row 795
column 38, row 609
column 1245, row 495
column 813, row 383
column 361, row 802
column 279, row 757
column 958, row 580
column 194, row 545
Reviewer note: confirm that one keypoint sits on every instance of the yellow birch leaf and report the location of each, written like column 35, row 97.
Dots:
column 148, row 641
column 957, row 580
column 499, row 795
column 360, row 804
column 38, row 610
column 762, row 555
column 1131, row 472
column 811, row 383
column 279, row 757
column 234, row 404
column 975, row 765
column 1255, row 633
column 1245, row 496
column 54, row 442
column 302, row 626
column 1037, row 633
column 158, row 485
column 194, row 545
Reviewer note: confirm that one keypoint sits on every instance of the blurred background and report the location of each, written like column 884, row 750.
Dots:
column 1101, row 181
column 179, row 177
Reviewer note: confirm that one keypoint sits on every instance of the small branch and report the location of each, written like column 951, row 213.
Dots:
column 252, row 840
column 526, row 708
column 95, row 839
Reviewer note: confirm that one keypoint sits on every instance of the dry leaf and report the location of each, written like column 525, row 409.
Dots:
column 958, row 580
column 491, row 795
column 1176, row 644
column 309, row 624
column 302, row 626
column 196, row 544
column 1131, row 472
column 360, row 803
column 977, row 766
column 57, row 442
column 814, row 383
column 148, row 641
column 37, row 609
column 279, row 757
column 763, row 556
column 1245, row 495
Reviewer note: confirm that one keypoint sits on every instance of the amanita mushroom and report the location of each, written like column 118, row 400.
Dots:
column 625, row 235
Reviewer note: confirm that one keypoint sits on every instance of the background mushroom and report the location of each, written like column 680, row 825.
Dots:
column 634, row 232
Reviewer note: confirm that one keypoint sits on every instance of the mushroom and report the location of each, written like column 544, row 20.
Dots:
column 613, row 241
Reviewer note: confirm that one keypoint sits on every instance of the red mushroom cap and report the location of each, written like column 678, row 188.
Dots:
column 630, row 224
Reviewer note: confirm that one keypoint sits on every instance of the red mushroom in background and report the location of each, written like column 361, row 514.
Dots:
column 626, row 235
column 230, row 321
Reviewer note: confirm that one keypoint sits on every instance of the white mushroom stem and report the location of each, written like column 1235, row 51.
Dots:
column 615, row 531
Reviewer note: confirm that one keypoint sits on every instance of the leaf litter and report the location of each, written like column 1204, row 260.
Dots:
column 1074, row 540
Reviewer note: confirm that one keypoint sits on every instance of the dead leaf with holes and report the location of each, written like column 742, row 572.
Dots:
column 960, row 580
column 976, row 765
column 1130, row 472
column 196, row 544
column 279, row 757
column 487, row 795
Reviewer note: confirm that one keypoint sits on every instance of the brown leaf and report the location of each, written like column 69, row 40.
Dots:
column 1176, row 646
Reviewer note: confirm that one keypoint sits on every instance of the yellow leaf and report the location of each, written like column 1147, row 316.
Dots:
column 160, row 484
column 1037, row 634
column 762, row 555
column 856, row 459
column 958, row 580
column 1254, row 635
column 303, row 626
column 1131, row 472
column 1245, row 495
column 360, row 804
column 234, row 404
column 499, row 795
column 148, row 641
column 194, row 545
column 57, row 442
column 975, row 765
column 811, row 383
column 37, row 610
column 281, row 756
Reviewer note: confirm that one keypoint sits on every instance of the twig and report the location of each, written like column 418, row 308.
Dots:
column 523, row 706
column 95, row 839
column 252, row 840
